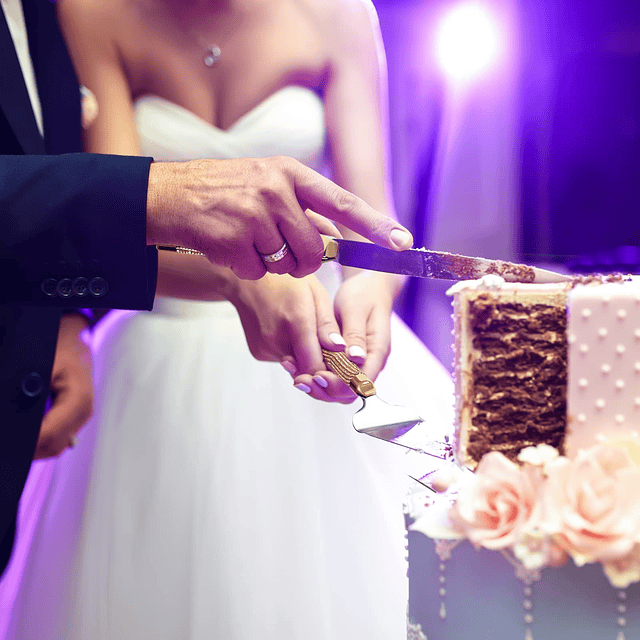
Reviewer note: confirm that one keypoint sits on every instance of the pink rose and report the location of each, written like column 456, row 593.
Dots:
column 624, row 571
column 591, row 504
column 500, row 504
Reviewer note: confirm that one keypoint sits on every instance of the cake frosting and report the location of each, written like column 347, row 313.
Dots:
column 542, row 540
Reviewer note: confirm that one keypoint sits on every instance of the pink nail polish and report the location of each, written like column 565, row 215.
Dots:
column 303, row 387
column 289, row 367
column 319, row 380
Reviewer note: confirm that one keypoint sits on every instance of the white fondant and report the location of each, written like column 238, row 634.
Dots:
column 614, row 362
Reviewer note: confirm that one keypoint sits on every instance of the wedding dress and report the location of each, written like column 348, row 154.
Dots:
column 207, row 497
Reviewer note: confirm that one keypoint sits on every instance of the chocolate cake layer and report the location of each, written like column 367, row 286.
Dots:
column 518, row 382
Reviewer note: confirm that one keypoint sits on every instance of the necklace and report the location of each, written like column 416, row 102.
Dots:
column 213, row 50
column 212, row 55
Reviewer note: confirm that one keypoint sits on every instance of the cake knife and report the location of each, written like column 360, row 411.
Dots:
column 379, row 419
column 421, row 263
column 424, row 263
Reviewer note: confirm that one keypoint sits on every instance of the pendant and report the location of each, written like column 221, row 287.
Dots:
column 212, row 55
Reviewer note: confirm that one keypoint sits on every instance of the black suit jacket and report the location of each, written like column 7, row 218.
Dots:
column 72, row 235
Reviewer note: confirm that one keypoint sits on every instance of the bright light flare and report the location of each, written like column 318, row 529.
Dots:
column 468, row 41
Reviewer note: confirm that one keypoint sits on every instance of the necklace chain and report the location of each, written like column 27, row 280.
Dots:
column 213, row 50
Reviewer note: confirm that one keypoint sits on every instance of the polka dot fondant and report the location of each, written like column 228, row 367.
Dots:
column 605, row 352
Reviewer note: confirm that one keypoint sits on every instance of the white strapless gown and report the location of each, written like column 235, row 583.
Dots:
column 207, row 497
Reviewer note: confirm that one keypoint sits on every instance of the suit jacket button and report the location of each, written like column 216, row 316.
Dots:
column 98, row 287
column 49, row 287
column 65, row 288
column 32, row 384
column 80, row 287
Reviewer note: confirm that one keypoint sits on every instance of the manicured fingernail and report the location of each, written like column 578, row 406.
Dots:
column 336, row 338
column 289, row 367
column 356, row 352
column 401, row 238
column 320, row 381
column 303, row 387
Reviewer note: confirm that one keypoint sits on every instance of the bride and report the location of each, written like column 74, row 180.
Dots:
column 208, row 498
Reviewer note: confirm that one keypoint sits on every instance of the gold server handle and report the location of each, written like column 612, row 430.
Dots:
column 349, row 372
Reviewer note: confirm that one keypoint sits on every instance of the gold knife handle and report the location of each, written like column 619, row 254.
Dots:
column 175, row 249
column 349, row 372
column 330, row 249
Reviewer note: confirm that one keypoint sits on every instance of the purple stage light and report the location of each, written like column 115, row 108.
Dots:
column 468, row 41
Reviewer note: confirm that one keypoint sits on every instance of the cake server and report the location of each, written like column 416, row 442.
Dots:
column 423, row 263
column 376, row 418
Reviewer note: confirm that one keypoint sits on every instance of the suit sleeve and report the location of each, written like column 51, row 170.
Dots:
column 73, row 232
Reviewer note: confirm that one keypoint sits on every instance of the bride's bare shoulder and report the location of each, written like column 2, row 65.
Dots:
column 355, row 16
column 95, row 13
column 351, row 23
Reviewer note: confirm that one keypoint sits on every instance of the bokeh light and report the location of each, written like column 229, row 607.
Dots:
column 468, row 41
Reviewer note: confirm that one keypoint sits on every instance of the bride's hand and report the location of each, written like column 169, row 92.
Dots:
column 289, row 320
column 363, row 307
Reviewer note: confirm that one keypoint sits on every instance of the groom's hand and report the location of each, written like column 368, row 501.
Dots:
column 238, row 211
column 71, row 388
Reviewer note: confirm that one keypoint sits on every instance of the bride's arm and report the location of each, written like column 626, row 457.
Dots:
column 357, row 121
column 89, row 29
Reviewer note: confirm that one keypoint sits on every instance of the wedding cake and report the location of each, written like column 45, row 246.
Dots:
column 532, row 531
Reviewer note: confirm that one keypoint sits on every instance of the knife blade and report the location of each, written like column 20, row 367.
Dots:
column 423, row 263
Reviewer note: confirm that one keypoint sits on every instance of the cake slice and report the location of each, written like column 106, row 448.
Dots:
column 510, row 366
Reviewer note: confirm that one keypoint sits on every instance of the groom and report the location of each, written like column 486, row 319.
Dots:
column 74, row 228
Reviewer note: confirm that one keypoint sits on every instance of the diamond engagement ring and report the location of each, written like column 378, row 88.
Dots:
column 277, row 256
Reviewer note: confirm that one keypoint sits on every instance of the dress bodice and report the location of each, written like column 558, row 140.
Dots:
column 289, row 122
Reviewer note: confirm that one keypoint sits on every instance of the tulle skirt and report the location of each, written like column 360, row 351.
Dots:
column 208, row 498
